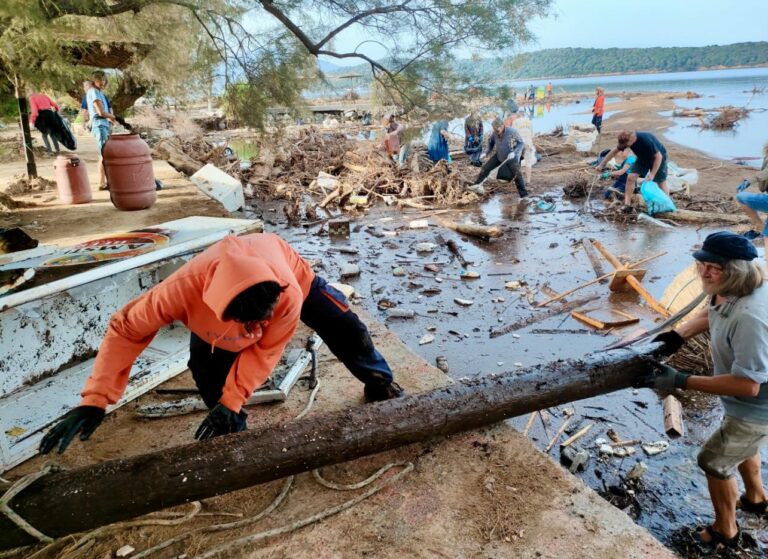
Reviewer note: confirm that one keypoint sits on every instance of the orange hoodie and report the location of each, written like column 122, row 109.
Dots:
column 197, row 294
column 599, row 105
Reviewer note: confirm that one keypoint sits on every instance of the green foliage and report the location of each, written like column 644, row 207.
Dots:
column 579, row 62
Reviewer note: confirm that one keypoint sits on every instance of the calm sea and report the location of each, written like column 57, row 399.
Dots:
column 745, row 87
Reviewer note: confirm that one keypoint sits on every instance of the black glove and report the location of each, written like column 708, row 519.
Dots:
column 221, row 421
column 665, row 378
column 83, row 419
column 628, row 209
column 672, row 342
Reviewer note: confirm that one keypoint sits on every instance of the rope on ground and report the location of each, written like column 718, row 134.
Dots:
column 220, row 527
column 360, row 484
column 246, row 521
column 18, row 486
column 253, row 538
column 88, row 539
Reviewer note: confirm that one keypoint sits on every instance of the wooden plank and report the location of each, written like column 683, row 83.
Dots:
column 597, row 266
column 619, row 280
column 652, row 302
column 589, row 321
column 673, row 417
column 576, row 436
column 596, row 280
column 615, row 262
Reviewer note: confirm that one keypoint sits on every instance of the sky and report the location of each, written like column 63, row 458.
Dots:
column 613, row 23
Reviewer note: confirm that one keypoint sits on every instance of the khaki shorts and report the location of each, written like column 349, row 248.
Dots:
column 733, row 443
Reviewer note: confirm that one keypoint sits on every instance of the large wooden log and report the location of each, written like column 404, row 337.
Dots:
column 76, row 500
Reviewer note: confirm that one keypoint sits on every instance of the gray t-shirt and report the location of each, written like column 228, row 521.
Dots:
column 510, row 142
column 739, row 332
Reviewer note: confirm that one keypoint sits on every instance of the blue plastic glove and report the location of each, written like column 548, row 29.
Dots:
column 743, row 185
column 606, row 175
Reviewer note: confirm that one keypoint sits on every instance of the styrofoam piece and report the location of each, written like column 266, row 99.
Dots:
column 220, row 186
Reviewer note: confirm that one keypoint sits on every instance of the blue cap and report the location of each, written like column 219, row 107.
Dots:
column 724, row 245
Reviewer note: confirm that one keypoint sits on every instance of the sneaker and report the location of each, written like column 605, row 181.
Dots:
column 752, row 234
column 478, row 189
column 381, row 392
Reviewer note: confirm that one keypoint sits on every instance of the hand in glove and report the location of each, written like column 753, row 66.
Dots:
column 672, row 342
column 628, row 209
column 221, row 421
column 666, row 378
column 82, row 419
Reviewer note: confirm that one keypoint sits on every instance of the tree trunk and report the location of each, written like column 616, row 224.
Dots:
column 128, row 91
column 26, row 134
column 76, row 500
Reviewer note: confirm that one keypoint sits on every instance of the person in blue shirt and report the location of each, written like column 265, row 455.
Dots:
column 437, row 146
column 651, row 162
column 624, row 161
column 101, row 118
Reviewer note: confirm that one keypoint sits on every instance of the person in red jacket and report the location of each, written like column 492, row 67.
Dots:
column 598, row 108
column 242, row 300
column 42, row 117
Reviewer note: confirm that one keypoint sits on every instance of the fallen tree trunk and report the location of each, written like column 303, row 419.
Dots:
column 76, row 500
column 690, row 216
column 171, row 151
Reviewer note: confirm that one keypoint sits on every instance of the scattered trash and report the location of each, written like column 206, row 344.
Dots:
column 623, row 451
column 339, row 228
column 442, row 363
column 385, row 304
column 425, row 247
column 418, row 224
column 613, row 435
column 652, row 449
column 358, row 200
column 574, row 459
column 432, row 268
column 220, row 186
column 637, row 471
column 349, row 270
column 401, row 313
column 426, row 339
column 124, row 551
column 513, row 285
column 467, row 275
column 463, row 302
column 398, row 271
column 346, row 289
column 605, row 450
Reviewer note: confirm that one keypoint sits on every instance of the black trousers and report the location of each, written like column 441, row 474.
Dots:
column 509, row 170
column 326, row 311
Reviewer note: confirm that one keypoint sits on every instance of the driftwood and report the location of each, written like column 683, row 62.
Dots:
column 472, row 229
column 172, row 152
column 70, row 501
column 554, row 311
column 689, row 216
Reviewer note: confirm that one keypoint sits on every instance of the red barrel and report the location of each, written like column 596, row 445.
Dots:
column 131, row 179
column 71, row 179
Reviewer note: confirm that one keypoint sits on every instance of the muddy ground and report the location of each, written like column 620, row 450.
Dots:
column 539, row 249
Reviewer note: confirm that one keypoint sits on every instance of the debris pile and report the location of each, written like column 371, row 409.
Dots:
column 22, row 185
column 727, row 118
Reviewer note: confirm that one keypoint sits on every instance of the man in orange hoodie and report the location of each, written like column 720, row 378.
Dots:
column 242, row 299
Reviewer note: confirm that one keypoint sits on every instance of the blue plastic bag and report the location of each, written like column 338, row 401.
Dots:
column 656, row 201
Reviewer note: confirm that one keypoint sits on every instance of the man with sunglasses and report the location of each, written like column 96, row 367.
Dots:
column 242, row 300
column 737, row 319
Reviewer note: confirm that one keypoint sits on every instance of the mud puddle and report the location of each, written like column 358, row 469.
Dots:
column 541, row 251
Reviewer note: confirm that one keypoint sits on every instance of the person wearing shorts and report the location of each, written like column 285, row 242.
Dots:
column 100, row 117
column 752, row 203
column 737, row 321
column 651, row 161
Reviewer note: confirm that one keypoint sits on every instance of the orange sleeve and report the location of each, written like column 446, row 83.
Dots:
column 130, row 331
column 254, row 364
column 599, row 106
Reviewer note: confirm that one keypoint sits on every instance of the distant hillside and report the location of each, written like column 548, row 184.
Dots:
column 560, row 63
column 571, row 62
